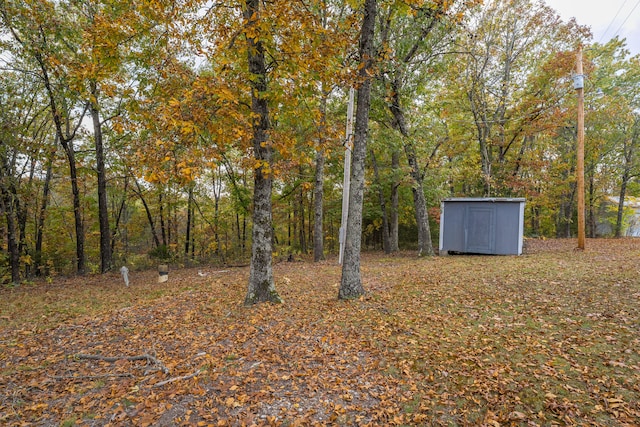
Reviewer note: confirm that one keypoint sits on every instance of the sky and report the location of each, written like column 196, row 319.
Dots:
column 606, row 18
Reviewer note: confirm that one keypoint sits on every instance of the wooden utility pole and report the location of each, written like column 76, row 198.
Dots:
column 579, row 86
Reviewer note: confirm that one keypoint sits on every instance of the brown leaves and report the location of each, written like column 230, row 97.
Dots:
column 456, row 340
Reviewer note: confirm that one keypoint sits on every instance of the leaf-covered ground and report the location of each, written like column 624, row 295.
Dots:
column 548, row 338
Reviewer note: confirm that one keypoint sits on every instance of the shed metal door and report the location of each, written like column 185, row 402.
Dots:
column 479, row 229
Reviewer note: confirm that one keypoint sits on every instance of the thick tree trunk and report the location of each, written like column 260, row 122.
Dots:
column 351, row 282
column 261, row 285
column 106, row 256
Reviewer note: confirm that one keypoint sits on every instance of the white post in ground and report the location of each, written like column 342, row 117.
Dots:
column 124, row 271
column 347, row 175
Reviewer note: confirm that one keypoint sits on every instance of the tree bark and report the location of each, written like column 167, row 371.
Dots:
column 152, row 225
column 425, row 246
column 261, row 285
column 187, row 240
column 67, row 144
column 119, row 215
column 318, row 195
column 8, row 199
column 217, row 190
column 163, row 228
column 629, row 156
column 303, row 229
column 42, row 214
column 386, row 241
column 591, row 204
column 565, row 214
column 351, row 282
column 620, row 211
column 77, row 208
column 395, row 203
column 106, row 256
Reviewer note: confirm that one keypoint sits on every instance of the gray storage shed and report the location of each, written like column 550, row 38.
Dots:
column 482, row 226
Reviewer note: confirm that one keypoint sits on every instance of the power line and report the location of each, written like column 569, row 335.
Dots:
column 612, row 21
column 627, row 18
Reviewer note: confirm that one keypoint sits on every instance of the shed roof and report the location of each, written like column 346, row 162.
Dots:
column 486, row 199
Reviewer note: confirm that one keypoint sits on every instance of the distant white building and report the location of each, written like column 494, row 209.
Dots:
column 608, row 214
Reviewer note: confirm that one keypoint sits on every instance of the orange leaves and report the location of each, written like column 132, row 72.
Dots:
column 478, row 340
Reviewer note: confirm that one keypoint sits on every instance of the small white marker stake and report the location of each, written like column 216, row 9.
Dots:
column 125, row 274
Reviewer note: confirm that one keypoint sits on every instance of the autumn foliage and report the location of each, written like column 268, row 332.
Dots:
column 547, row 338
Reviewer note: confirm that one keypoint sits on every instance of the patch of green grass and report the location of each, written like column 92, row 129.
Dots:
column 69, row 422
column 412, row 405
column 127, row 403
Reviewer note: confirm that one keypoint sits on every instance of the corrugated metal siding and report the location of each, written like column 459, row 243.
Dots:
column 482, row 226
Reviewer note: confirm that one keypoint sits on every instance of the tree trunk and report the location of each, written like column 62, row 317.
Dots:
column 67, row 145
column 187, row 240
column 535, row 220
column 106, row 256
column 261, row 285
column 351, row 282
column 12, row 237
column 119, row 215
column 318, row 195
column 8, row 200
column 629, row 156
column 42, row 214
column 395, row 204
column 591, row 217
column 425, row 246
column 386, row 241
column 565, row 214
column 163, row 229
column 22, row 215
column 217, row 190
column 303, row 229
column 77, row 208
column 622, row 195
column 152, row 225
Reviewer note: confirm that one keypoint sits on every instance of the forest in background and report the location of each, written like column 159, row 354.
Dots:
column 128, row 129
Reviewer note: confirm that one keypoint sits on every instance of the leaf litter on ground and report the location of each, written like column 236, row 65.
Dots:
column 551, row 337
